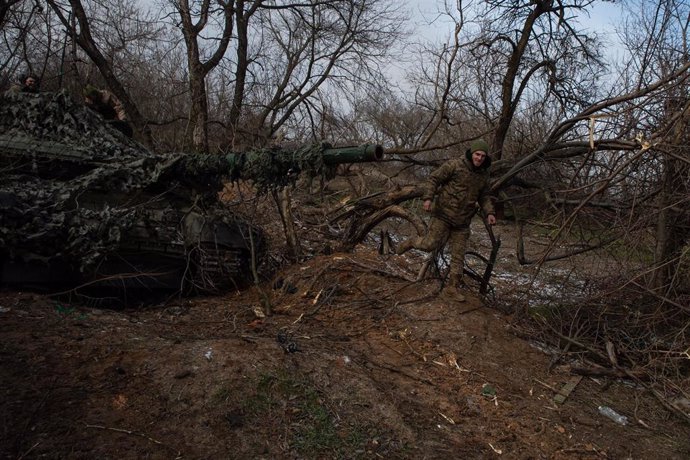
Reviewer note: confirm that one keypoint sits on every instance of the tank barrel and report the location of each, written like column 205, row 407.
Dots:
column 354, row 154
column 280, row 163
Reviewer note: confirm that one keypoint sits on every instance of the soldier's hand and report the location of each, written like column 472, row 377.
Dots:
column 427, row 205
column 491, row 219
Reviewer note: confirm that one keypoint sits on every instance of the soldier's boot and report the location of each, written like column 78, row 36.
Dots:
column 454, row 287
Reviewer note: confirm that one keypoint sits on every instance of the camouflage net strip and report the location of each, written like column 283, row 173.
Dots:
column 67, row 180
column 274, row 168
column 56, row 117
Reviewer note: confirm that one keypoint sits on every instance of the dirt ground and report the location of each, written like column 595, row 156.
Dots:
column 352, row 362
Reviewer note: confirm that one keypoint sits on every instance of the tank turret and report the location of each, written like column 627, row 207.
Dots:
column 82, row 205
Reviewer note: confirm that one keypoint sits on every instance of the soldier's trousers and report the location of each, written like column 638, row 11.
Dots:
column 439, row 234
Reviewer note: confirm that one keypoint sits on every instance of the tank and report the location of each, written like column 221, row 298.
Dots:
column 88, row 211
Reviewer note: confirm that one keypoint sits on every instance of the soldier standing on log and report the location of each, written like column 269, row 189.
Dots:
column 457, row 186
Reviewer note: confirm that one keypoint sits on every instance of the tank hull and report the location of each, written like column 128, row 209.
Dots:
column 85, row 212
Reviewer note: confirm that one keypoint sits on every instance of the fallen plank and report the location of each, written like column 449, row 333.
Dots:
column 567, row 389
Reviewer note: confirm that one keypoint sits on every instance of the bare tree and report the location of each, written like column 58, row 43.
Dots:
column 5, row 6
column 77, row 23
column 537, row 41
column 276, row 56
column 658, row 41
column 337, row 42
column 21, row 22
column 197, row 18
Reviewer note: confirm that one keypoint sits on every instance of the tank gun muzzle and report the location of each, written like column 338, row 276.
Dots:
column 356, row 154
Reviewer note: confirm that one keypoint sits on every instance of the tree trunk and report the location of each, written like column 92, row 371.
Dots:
column 198, row 116
column 672, row 232
column 241, row 70
column 673, row 225
column 284, row 202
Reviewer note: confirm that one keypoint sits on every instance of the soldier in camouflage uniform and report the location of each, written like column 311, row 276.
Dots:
column 458, row 185
column 109, row 106
column 30, row 84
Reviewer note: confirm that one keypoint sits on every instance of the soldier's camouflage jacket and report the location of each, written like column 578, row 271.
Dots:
column 458, row 186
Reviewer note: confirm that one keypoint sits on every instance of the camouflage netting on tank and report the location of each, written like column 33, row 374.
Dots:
column 56, row 117
column 274, row 168
column 55, row 157
column 267, row 169
column 36, row 227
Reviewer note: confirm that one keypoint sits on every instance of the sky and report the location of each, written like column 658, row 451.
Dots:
column 429, row 25
column 424, row 16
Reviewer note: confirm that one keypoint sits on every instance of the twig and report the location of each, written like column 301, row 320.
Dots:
column 370, row 269
column 448, row 419
column 419, row 355
column 398, row 371
column 27, row 452
column 599, row 371
column 400, row 353
column 320, row 300
column 470, row 310
column 315, row 279
column 141, row 435
column 546, row 385
column 663, row 298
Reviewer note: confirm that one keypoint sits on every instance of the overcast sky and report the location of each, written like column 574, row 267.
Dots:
column 429, row 25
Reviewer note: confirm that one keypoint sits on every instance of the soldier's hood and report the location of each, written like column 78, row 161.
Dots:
column 486, row 165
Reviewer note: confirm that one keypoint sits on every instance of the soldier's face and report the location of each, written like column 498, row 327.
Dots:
column 30, row 82
column 478, row 158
